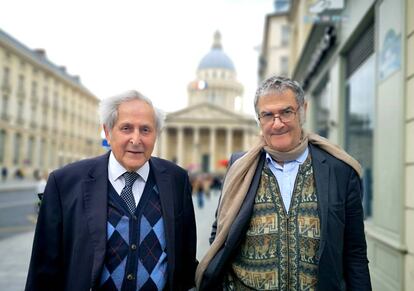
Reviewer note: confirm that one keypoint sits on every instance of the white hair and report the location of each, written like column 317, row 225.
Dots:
column 108, row 109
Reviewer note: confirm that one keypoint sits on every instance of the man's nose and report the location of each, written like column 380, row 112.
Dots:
column 277, row 122
column 135, row 137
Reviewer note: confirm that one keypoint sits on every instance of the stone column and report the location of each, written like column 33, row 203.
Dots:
column 212, row 149
column 49, row 153
column 36, row 149
column 229, row 142
column 9, row 150
column 163, row 143
column 180, row 146
column 196, row 148
column 23, row 150
column 245, row 139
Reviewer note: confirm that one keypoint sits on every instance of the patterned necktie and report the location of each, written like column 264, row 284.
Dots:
column 126, row 193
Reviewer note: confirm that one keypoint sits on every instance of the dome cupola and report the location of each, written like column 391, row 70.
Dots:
column 216, row 58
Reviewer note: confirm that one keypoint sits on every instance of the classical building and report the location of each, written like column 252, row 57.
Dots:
column 355, row 60
column 202, row 136
column 47, row 117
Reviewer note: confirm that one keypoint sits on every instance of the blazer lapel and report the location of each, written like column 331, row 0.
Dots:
column 321, row 174
column 167, row 193
column 242, row 219
column 95, row 199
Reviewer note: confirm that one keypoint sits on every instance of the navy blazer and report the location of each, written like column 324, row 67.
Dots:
column 70, row 239
column 342, row 254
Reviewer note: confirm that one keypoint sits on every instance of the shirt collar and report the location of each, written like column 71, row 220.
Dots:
column 300, row 160
column 116, row 170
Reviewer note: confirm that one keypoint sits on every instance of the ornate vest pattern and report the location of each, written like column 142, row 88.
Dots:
column 279, row 250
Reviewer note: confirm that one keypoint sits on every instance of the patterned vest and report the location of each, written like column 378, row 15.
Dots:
column 279, row 250
column 136, row 257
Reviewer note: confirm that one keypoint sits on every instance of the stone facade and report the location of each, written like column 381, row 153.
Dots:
column 47, row 117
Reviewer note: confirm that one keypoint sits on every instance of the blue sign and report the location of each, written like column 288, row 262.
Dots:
column 105, row 144
column 390, row 56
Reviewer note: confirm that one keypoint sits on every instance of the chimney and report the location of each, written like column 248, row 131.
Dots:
column 40, row 52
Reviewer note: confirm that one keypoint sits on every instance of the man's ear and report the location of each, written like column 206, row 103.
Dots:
column 107, row 134
column 305, row 109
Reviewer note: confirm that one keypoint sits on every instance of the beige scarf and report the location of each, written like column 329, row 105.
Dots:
column 238, row 180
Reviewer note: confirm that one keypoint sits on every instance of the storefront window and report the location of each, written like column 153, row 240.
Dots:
column 360, row 101
column 323, row 104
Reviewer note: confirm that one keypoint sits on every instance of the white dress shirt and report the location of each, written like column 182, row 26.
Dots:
column 286, row 175
column 115, row 172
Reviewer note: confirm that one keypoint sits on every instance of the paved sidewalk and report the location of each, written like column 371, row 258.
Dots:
column 204, row 220
column 15, row 251
column 15, row 256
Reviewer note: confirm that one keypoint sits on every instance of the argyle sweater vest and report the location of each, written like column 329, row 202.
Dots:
column 136, row 257
column 279, row 249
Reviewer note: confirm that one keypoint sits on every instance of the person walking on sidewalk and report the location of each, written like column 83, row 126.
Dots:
column 290, row 216
column 4, row 173
column 120, row 221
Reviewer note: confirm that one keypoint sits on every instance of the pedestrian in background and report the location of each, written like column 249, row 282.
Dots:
column 40, row 189
column 4, row 173
column 290, row 215
column 120, row 221
column 41, row 183
column 198, row 190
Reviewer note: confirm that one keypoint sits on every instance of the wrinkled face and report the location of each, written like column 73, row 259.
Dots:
column 280, row 136
column 133, row 136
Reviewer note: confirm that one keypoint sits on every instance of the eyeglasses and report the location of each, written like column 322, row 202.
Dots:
column 286, row 115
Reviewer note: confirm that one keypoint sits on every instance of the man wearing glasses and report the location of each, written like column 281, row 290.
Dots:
column 290, row 216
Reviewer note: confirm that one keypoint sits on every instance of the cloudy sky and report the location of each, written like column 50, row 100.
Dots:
column 152, row 46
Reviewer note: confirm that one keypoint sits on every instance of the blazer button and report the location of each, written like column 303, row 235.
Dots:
column 130, row 277
column 133, row 247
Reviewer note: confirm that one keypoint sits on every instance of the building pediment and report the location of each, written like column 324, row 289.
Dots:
column 206, row 112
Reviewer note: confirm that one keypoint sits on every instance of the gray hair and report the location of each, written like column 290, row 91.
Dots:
column 278, row 84
column 108, row 109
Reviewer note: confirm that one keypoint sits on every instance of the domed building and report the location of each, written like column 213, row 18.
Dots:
column 216, row 81
column 202, row 136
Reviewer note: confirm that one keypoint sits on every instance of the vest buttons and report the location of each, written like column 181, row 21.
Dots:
column 134, row 217
column 130, row 277
column 133, row 247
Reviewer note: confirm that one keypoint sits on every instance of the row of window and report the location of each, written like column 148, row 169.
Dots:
column 26, row 154
column 7, row 88
column 216, row 74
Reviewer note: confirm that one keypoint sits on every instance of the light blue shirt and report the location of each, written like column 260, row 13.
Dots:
column 286, row 175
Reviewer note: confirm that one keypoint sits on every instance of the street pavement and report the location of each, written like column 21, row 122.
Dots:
column 15, row 257
column 204, row 220
column 15, row 251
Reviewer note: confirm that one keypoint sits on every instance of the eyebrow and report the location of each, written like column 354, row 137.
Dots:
column 283, row 109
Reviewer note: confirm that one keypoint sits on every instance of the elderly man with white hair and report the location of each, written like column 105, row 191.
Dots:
column 120, row 221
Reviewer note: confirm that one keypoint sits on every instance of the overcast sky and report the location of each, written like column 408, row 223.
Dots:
column 152, row 46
